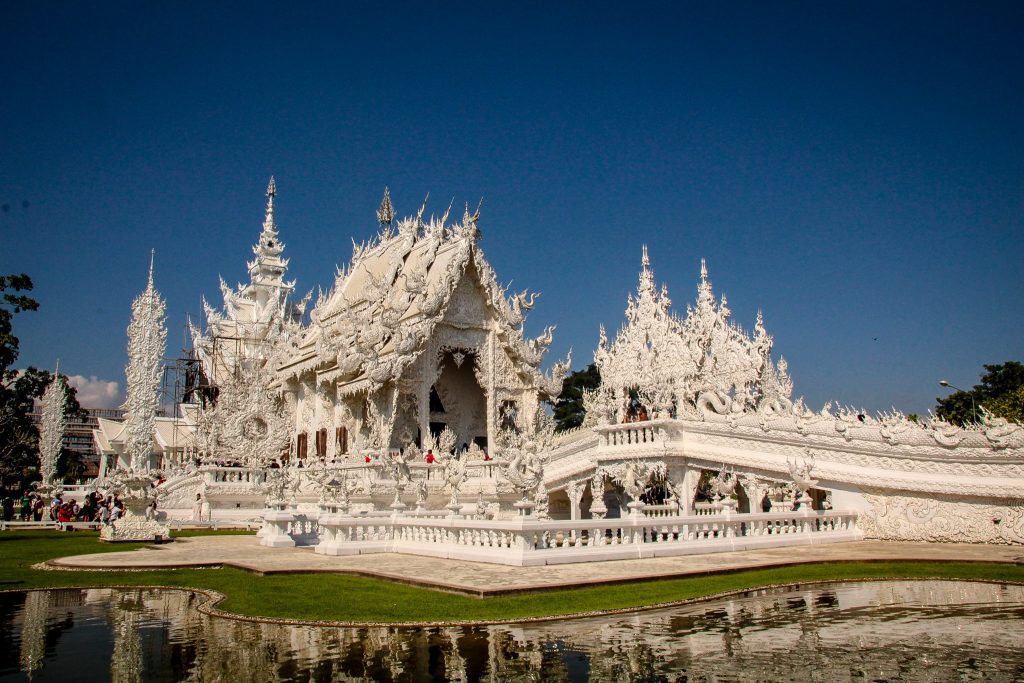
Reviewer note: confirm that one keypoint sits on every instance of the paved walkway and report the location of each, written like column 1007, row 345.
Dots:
column 488, row 579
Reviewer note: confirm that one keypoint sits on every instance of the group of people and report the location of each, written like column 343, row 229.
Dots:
column 32, row 507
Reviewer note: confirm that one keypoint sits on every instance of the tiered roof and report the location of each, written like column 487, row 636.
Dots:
column 379, row 314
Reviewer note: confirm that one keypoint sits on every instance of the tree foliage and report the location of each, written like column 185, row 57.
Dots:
column 1000, row 392
column 568, row 409
column 19, row 454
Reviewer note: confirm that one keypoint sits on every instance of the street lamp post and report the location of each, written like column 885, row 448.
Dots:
column 974, row 409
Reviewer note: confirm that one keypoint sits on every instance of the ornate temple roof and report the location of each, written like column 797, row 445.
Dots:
column 385, row 303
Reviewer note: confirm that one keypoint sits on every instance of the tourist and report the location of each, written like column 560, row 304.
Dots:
column 38, row 508
column 8, row 507
column 206, row 512
column 103, row 516
column 430, row 456
column 88, row 510
column 115, row 514
column 197, row 508
column 151, row 511
column 26, row 506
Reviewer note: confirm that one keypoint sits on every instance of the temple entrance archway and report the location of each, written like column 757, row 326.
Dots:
column 457, row 399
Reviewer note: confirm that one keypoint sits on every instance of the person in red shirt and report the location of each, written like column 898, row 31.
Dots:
column 430, row 456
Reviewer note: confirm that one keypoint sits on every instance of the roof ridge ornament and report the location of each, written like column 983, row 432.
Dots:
column 386, row 211
column 646, row 275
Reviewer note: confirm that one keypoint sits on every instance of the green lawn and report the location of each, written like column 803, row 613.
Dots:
column 351, row 598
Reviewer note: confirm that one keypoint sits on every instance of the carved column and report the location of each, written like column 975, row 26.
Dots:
column 598, row 509
column 490, row 392
column 676, row 475
column 755, row 488
column 423, row 392
column 690, row 480
column 575, row 492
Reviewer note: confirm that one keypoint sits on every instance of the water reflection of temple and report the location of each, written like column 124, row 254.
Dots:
column 931, row 628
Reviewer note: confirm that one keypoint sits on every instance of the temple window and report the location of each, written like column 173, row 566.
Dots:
column 321, row 443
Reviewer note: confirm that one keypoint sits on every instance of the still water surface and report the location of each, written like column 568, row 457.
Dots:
column 897, row 631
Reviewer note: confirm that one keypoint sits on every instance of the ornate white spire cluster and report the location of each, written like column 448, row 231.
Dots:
column 147, row 341
column 670, row 362
column 258, row 314
column 51, row 429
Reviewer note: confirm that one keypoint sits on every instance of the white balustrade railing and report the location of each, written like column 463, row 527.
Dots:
column 304, row 528
column 704, row 509
column 217, row 474
column 528, row 541
column 667, row 510
column 633, row 434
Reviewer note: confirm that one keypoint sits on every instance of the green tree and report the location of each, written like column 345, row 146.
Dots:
column 568, row 409
column 1000, row 392
column 19, row 454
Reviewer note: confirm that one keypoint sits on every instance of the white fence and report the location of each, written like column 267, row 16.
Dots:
column 529, row 541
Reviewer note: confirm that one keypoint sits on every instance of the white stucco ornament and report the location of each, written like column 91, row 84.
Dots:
column 147, row 342
column 51, row 433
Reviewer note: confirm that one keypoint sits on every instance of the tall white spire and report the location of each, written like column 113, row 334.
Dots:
column 147, row 342
column 268, row 267
column 51, row 428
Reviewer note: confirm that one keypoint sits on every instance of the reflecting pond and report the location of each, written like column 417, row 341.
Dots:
column 898, row 630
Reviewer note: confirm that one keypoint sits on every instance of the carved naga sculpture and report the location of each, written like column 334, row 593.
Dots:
column 454, row 476
column 524, row 470
column 724, row 484
column 520, row 303
column 800, row 473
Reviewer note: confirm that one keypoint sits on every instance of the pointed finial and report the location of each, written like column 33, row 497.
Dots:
column 152, row 257
column 56, row 372
column 423, row 207
column 386, row 212
column 268, row 221
column 703, row 270
column 645, row 260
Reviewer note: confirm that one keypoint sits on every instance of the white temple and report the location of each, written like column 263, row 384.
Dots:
column 407, row 414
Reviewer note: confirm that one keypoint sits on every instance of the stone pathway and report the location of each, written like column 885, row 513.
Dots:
column 488, row 579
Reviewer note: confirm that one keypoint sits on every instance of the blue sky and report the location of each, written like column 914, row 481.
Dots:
column 854, row 170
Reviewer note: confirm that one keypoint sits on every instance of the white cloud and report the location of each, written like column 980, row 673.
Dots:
column 96, row 393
